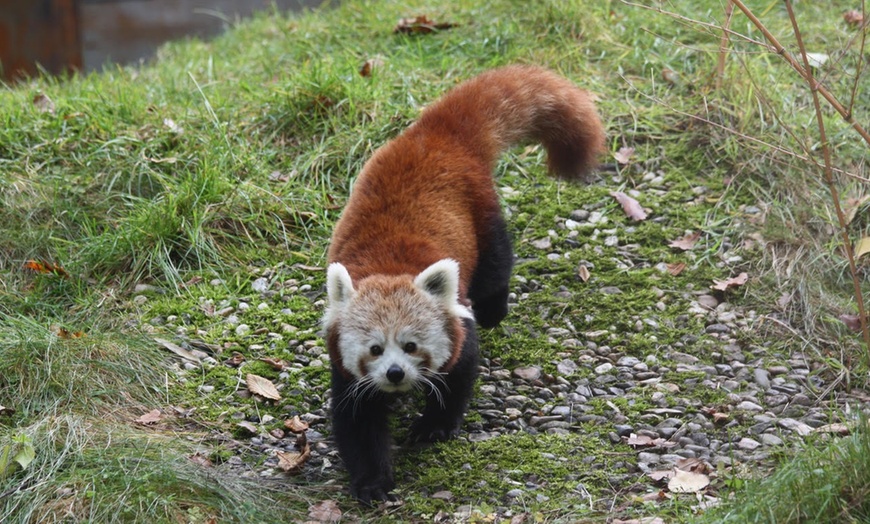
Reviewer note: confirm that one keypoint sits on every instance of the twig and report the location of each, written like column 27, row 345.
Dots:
column 805, row 72
column 829, row 179
column 743, row 136
column 723, row 45
column 860, row 54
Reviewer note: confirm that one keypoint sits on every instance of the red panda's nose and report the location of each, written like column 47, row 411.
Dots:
column 395, row 374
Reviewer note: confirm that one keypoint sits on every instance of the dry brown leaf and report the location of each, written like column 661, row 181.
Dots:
column 662, row 474
column 420, row 25
column 62, row 332
column 639, row 440
column 178, row 350
column 836, row 428
column 720, row 418
column 852, row 205
column 152, row 417
column 693, row 464
column 623, row 156
column 862, row 247
column 852, row 322
column 676, row 268
column 688, row 482
column 43, row 103
column 722, row 285
column 325, row 511
column 45, row 268
column 249, row 427
column 686, row 242
column 583, row 273
column 292, row 461
column 296, row 424
column 853, row 17
column 276, row 363
column 235, row 360
column 631, row 206
column 202, row 460
column 370, row 65
column 262, row 386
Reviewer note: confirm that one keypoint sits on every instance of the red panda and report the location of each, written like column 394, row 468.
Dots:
column 421, row 253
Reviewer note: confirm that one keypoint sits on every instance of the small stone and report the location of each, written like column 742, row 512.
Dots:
column 514, row 493
column 717, row 328
column 260, row 285
column 769, row 439
column 443, row 495
column 603, row 368
column 542, row 243
column 242, row 330
column 529, row 373
column 748, row 444
column 762, row 378
column 749, row 406
column 566, row 367
column 580, row 215
column 610, row 290
column 708, row 301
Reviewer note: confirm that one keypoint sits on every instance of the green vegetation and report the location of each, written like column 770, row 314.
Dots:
column 152, row 199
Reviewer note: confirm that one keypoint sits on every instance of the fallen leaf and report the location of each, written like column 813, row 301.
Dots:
column 325, row 511
column 853, row 17
column 583, row 273
column 276, row 363
column 662, row 474
column 42, row 103
column 686, row 242
column 45, row 268
column 420, row 25
column 852, row 322
column 836, row 428
column 292, row 461
column 248, row 426
column 64, row 333
column 688, row 482
column 202, row 460
column 443, row 495
column 639, row 440
column 720, row 418
column 676, row 268
column 693, row 464
column 193, row 281
column 178, row 350
column 25, row 454
column 235, row 360
column 631, row 206
column 262, row 386
column 670, row 76
column 817, row 60
column 370, row 65
column 862, row 247
column 296, row 424
column 623, row 156
column 175, row 128
column 852, row 205
column 152, row 417
column 723, row 285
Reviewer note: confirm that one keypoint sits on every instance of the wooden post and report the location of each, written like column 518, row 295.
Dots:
column 39, row 34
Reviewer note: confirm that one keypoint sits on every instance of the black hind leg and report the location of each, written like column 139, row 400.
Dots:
column 447, row 401
column 489, row 284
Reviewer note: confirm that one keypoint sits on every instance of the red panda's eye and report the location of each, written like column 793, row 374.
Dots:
column 376, row 350
column 410, row 347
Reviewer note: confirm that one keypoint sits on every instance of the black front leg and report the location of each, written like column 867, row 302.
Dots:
column 447, row 401
column 362, row 434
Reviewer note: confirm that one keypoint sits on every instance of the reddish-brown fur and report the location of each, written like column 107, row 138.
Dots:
column 429, row 195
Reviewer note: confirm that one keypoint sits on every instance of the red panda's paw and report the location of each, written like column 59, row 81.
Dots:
column 425, row 430
column 368, row 492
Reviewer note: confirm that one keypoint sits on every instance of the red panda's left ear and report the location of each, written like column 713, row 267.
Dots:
column 339, row 286
column 441, row 280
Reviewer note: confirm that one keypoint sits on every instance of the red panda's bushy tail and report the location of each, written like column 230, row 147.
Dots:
column 517, row 104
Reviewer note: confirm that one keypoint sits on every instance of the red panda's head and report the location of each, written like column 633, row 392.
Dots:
column 394, row 333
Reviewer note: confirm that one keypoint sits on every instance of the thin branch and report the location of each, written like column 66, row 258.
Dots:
column 723, row 45
column 805, row 72
column 743, row 136
column 829, row 177
column 863, row 30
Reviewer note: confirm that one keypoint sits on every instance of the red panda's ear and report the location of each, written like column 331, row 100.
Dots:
column 339, row 286
column 441, row 280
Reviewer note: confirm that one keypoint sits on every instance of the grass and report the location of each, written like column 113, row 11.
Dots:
column 161, row 193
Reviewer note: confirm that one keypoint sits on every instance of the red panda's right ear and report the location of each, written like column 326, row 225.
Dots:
column 339, row 286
